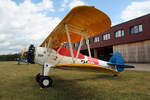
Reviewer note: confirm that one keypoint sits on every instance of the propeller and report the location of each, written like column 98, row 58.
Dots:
column 30, row 54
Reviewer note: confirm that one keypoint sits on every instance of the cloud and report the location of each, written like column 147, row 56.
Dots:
column 64, row 5
column 5, row 44
column 4, row 36
column 76, row 3
column 71, row 4
column 136, row 9
column 114, row 23
column 23, row 24
column 46, row 5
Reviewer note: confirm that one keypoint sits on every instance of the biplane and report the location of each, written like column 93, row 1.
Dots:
column 79, row 24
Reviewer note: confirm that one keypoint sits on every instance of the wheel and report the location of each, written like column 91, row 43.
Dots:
column 45, row 82
column 38, row 77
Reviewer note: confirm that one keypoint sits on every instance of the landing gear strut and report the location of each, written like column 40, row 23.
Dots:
column 43, row 79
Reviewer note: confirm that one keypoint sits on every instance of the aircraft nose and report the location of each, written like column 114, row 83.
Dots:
column 31, row 54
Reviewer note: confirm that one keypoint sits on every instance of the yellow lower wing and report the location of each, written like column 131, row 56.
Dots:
column 90, row 66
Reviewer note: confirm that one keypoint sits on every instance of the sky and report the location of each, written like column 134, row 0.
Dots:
column 25, row 22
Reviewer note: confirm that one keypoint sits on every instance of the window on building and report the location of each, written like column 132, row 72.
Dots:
column 66, row 45
column 96, row 39
column 84, row 42
column 119, row 33
column 89, row 41
column 106, row 36
column 136, row 29
column 140, row 28
column 76, row 45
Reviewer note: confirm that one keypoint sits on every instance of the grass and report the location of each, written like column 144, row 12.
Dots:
column 17, row 82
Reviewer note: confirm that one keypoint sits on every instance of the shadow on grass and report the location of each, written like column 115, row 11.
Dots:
column 96, row 77
column 21, row 64
column 71, row 90
column 64, row 89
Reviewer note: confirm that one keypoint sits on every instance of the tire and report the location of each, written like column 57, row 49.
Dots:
column 38, row 77
column 45, row 82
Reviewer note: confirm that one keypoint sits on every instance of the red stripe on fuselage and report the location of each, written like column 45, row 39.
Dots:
column 66, row 52
column 95, row 61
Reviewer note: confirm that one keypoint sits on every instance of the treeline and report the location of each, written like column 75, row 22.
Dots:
column 9, row 57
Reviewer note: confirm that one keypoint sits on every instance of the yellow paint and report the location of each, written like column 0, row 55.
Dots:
column 90, row 66
column 23, row 53
column 79, row 19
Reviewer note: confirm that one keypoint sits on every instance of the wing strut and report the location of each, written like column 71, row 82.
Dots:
column 79, row 46
column 87, row 43
column 45, row 44
column 49, row 42
column 69, row 40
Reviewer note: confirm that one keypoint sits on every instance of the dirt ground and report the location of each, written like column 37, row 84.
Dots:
column 140, row 67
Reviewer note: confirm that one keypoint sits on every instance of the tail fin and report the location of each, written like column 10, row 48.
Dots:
column 118, row 61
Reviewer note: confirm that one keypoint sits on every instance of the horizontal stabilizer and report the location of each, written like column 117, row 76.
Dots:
column 127, row 66
column 121, row 65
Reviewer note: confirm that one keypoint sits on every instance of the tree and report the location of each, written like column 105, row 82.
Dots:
column 9, row 57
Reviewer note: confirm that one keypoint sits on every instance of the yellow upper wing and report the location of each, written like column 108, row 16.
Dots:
column 79, row 19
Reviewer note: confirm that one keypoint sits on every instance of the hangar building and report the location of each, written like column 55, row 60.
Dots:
column 131, row 38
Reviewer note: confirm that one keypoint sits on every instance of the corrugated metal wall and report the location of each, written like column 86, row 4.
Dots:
column 135, row 52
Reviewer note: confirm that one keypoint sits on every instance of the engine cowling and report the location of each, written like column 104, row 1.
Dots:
column 31, row 54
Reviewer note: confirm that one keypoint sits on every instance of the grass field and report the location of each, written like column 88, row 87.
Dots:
column 17, row 82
